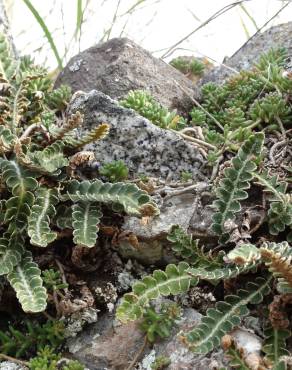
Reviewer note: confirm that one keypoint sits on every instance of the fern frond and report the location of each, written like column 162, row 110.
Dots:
column 17, row 210
column 174, row 280
column 17, row 178
column 86, row 217
column 219, row 273
column 232, row 188
column 184, row 245
column 7, row 62
column 225, row 316
column 97, row 133
column 26, row 281
column 39, row 220
column 133, row 200
column 278, row 258
column 275, row 344
column 51, row 158
column 280, row 212
column 7, row 140
column 74, row 121
column 244, row 254
column 11, row 251
column 20, row 181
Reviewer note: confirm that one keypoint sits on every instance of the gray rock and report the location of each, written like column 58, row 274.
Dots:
column 104, row 346
column 119, row 65
column 249, row 53
column 109, row 345
column 144, row 147
column 8, row 365
column 183, row 210
column 183, row 359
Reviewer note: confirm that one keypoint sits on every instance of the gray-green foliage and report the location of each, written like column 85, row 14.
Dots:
column 232, row 188
column 38, row 184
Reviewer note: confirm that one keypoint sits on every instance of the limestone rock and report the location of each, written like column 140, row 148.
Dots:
column 119, row 65
column 144, row 147
column 248, row 54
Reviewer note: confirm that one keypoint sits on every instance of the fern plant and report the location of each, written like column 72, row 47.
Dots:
column 37, row 164
column 232, row 188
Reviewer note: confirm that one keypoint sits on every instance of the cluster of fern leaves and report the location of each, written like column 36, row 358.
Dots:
column 238, row 118
column 40, row 192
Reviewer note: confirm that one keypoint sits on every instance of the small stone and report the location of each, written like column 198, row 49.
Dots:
column 119, row 65
column 249, row 53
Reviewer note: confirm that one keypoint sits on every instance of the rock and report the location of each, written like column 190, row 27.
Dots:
column 104, row 346
column 182, row 210
column 249, row 53
column 8, row 365
column 145, row 148
column 108, row 345
column 181, row 358
column 119, row 65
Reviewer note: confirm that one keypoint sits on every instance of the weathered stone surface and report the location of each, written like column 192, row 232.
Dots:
column 120, row 65
column 104, row 346
column 248, row 54
column 184, row 210
column 144, row 147
column 107, row 345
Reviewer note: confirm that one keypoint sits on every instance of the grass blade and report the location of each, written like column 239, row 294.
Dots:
column 47, row 33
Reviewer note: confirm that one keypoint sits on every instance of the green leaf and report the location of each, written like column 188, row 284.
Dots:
column 275, row 345
column 39, row 220
column 174, row 280
column 86, row 217
column 26, row 281
column 225, row 316
column 134, row 201
column 11, row 251
column 232, row 188
column 17, row 178
column 51, row 158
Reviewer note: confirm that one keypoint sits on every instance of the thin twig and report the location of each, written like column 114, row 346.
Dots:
column 198, row 188
column 34, row 127
column 12, row 359
column 217, row 14
column 193, row 139
column 200, row 106
column 216, row 168
column 60, row 266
